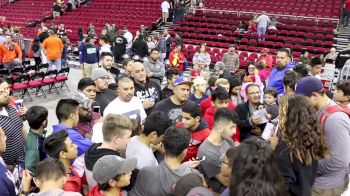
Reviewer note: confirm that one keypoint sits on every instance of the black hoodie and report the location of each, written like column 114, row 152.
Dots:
column 94, row 153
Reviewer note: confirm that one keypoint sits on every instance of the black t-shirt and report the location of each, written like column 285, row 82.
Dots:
column 57, row 8
column 173, row 110
column 104, row 98
column 150, row 90
column 166, row 92
column 120, row 44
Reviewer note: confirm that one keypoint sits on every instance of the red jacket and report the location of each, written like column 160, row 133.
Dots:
column 206, row 103
column 197, row 137
column 174, row 62
column 209, row 117
column 268, row 60
column 95, row 191
column 74, row 182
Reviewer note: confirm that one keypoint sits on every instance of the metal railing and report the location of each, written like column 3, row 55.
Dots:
column 194, row 9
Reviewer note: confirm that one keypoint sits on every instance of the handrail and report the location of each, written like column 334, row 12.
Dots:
column 193, row 10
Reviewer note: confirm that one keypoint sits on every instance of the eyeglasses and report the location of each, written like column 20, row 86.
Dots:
column 5, row 90
column 256, row 92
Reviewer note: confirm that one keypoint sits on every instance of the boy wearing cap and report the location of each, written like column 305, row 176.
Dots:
column 230, row 58
column 266, row 58
column 103, row 95
column 112, row 173
column 172, row 106
column 332, row 174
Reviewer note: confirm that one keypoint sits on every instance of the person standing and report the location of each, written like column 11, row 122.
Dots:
column 90, row 56
column 154, row 68
column 17, row 37
column 230, row 58
column 283, row 64
column 53, row 47
column 346, row 14
column 128, row 36
column 119, row 47
column 263, row 22
column 161, row 46
column 165, row 6
column 332, row 173
column 139, row 47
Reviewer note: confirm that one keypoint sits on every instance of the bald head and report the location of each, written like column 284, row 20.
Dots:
column 138, row 72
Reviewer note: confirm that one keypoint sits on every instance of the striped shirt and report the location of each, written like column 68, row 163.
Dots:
column 12, row 126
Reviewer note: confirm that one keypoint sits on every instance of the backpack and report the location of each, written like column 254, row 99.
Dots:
column 329, row 111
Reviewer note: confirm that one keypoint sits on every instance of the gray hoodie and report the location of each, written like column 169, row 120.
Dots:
column 158, row 180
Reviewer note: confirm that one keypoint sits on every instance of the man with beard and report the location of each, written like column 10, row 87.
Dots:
column 284, row 64
column 126, row 103
column 250, row 124
column 154, row 68
column 119, row 47
column 87, row 117
column 148, row 91
column 103, row 95
column 106, row 61
column 215, row 147
column 173, row 105
column 13, row 127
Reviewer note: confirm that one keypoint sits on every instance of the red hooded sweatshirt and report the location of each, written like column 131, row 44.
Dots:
column 95, row 191
column 206, row 103
column 209, row 117
column 197, row 137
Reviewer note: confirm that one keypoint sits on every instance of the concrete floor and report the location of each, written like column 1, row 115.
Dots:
column 51, row 100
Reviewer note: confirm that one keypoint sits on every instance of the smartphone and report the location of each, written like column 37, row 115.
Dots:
column 19, row 104
column 97, row 108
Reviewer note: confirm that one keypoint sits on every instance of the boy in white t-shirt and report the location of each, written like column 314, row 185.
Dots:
column 165, row 10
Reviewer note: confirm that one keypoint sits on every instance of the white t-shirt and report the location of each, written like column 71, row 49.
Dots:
column 132, row 109
column 165, row 6
column 263, row 21
column 143, row 153
column 105, row 48
column 128, row 37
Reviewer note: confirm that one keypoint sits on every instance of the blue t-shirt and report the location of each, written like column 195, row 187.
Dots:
column 196, row 100
column 7, row 188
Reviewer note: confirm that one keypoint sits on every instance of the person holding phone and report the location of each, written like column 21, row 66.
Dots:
column 87, row 87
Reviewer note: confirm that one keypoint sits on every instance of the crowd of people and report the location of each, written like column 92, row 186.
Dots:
column 123, row 134
column 271, row 129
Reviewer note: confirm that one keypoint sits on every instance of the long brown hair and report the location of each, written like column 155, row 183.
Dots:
column 302, row 132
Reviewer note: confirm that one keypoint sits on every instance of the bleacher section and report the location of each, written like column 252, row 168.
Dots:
column 311, row 8
column 129, row 13
column 218, row 29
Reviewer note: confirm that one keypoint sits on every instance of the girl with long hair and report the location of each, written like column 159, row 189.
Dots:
column 255, row 171
column 301, row 145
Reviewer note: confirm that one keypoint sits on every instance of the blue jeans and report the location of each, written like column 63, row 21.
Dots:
column 261, row 31
column 345, row 20
column 54, row 64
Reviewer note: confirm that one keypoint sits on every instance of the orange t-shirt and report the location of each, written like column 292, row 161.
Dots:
column 7, row 56
column 53, row 47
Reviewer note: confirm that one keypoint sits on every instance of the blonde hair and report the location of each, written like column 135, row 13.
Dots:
column 221, row 81
column 115, row 124
column 282, row 112
column 196, row 82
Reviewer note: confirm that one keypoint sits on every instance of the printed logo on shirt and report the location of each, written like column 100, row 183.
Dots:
column 194, row 142
column 175, row 114
column 142, row 95
column 119, row 40
column 134, row 114
column 91, row 50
